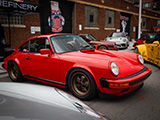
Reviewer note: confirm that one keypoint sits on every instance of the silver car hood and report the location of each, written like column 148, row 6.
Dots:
column 36, row 102
column 44, row 94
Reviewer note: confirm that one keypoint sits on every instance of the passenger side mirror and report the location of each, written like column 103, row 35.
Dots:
column 45, row 52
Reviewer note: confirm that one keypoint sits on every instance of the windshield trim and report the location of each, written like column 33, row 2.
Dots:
column 66, row 51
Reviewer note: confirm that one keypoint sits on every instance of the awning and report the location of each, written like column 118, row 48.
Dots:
column 23, row 7
column 17, row 8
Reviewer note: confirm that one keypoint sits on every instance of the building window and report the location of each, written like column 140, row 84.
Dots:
column 109, row 19
column 143, row 22
column 146, row 5
column 91, row 16
column 14, row 20
column 91, row 19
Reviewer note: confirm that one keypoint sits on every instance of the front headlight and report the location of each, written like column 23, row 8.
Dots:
column 114, row 69
column 140, row 59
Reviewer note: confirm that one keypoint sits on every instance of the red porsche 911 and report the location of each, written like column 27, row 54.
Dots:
column 67, row 61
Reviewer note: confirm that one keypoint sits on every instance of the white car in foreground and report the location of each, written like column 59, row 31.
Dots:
column 121, row 40
column 19, row 101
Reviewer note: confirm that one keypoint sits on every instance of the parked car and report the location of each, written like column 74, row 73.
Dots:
column 21, row 101
column 120, row 38
column 67, row 61
column 143, row 38
column 101, row 44
column 150, row 50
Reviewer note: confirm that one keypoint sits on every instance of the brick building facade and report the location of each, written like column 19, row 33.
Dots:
column 97, row 17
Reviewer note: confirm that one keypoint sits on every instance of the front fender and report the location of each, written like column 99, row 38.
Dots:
column 142, row 50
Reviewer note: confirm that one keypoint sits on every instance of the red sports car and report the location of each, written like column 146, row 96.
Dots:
column 100, row 44
column 143, row 38
column 67, row 61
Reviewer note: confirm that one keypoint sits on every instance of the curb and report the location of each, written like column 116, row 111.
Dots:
column 2, row 70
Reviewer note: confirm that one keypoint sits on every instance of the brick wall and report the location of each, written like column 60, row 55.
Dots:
column 99, row 32
column 22, row 33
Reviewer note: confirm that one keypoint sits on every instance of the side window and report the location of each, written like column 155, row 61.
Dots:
column 47, row 44
column 24, row 47
column 37, row 44
column 83, row 37
column 145, row 37
column 142, row 38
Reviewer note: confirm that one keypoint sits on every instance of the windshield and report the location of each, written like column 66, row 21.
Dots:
column 68, row 43
column 92, row 37
column 152, row 35
column 121, row 34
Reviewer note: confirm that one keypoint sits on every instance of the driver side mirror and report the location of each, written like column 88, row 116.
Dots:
column 45, row 52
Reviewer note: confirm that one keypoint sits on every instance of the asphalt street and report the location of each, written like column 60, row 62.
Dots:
column 143, row 104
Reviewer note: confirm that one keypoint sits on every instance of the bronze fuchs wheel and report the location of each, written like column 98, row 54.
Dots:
column 14, row 72
column 82, row 84
column 102, row 47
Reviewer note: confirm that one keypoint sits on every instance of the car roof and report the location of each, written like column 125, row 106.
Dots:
column 49, row 35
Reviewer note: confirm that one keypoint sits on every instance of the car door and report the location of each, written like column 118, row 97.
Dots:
column 23, row 58
column 153, row 52
column 43, row 67
column 150, row 51
column 157, row 53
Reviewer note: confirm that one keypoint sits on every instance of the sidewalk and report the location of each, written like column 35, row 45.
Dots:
column 2, row 70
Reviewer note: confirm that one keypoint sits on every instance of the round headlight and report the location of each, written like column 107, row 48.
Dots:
column 114, row 69
column 140, row 59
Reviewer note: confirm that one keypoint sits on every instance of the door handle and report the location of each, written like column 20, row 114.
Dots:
column 28, row 58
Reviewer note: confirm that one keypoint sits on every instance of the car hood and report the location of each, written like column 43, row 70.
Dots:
column 102, row 58
column 37, row 102
column 93, row 54
column 102, row 42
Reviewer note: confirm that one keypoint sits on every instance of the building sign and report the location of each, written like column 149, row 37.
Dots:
column 56, row 21
column 20, row 5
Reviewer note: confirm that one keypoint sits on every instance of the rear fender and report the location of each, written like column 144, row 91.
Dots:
column 16, row 61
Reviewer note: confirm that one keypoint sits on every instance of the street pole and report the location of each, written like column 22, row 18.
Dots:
column 140, row 19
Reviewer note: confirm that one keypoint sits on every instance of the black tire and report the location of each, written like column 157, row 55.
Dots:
column 14, row 72
column 81, row 84
column 102, row 47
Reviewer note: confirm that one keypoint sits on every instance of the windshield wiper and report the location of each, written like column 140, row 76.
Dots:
column 86, row 46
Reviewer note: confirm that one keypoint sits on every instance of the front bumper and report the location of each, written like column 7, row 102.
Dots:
column 122, row 45
column 130, row 83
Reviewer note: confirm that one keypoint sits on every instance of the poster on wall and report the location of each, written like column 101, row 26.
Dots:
column 125, row 23
column 56, row 21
